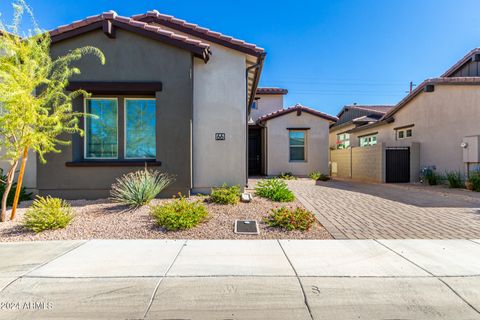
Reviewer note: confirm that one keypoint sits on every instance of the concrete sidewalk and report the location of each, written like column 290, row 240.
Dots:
column 296, row 279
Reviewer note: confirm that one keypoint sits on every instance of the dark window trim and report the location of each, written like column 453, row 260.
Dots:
column 113, row 163
column 123, row 88
column 299, row 129
column 404, row 127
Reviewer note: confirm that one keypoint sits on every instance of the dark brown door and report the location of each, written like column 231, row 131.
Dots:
column 398, row 165
column 254, row 152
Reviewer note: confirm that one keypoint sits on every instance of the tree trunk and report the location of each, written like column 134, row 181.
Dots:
column 19, row 183
column 8, row 186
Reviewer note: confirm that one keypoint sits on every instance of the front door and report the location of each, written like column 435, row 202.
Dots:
column 254, row 152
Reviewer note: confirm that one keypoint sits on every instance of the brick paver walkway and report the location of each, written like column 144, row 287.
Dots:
column 353, row 210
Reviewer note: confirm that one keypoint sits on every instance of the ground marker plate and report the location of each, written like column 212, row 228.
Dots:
column 246, row 227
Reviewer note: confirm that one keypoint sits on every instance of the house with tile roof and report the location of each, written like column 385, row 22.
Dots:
column 172, row 96
column 292, row 139
column 436, row 126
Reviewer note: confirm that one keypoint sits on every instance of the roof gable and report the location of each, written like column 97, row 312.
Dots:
column 108, row 21
column 299, row 109
column 472, row 56
column 203, row 33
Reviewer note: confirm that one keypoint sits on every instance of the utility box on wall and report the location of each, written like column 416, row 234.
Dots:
column 471, row 149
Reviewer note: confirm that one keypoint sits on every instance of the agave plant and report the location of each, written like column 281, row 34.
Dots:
column 138, row 188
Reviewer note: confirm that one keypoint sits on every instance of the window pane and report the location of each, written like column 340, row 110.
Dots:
column 101, row 130
column 409, row 132
column 140, row 129
column 297, row 138
column 400, row 134
column 297, row 153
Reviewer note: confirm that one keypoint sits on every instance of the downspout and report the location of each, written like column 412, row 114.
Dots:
column 258, row 66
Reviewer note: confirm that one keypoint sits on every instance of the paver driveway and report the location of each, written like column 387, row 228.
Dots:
column 354, row 210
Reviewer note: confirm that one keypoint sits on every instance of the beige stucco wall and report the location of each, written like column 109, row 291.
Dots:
column 341, row 163
column 441, row 119
column 363, row 164
column 219, row 106
column 332, row 137
column 278, row 144
column 266, row 104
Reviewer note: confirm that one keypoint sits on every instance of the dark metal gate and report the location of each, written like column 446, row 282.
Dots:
column 254, row 152
column 397, row 164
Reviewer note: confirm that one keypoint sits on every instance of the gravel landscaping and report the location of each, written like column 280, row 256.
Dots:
column 102, row 219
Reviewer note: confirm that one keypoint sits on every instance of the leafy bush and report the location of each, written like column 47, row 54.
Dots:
column 298, row 219
column 454, row 179
column 474, row 179
column 179, row 214
column 47, row 213
column 433, row 178
column 24, row 196
column 274, row 189
column 138, row 188
column 287, row 176
column 315, row 175
column 225, row 194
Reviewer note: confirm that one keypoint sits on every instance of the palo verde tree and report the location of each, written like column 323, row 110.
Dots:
column 35, row 108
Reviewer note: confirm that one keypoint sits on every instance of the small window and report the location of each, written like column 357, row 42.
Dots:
column 297, row 145
column 343, row 140
column 101, row 129
column 368, row 140
column 404, row 133
column 140, row 139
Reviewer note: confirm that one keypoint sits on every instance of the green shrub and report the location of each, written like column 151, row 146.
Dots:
column 47, row 213
column 433, row 178
column 24, row 196
column 225, row 194
column 454, row 179
column 474, row 179
column 287, row 176
column 315, row 175
column 180, row 214
column 298, row 219
column 274, row 189
column 138, row 188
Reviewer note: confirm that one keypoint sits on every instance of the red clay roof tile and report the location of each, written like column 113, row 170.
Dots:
column 297, row 107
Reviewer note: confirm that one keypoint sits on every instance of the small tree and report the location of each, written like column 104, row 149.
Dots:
column 35, row 108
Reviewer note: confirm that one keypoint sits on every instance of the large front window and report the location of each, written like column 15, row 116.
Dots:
column 101, row 128
column 297, row 145
column 140, row 139
column 368, row 140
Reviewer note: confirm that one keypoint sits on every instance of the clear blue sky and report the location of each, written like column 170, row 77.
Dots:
column 326, row 53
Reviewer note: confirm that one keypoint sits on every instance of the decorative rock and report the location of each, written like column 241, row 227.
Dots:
column 246, row 197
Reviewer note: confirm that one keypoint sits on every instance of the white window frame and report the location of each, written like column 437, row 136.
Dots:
column 369, row 136
column 404, row 133
column 305, row 140
column 338, row 139
column 125, row 128
column 85, row 139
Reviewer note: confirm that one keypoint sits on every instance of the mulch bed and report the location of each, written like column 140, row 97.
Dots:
column 102, row 219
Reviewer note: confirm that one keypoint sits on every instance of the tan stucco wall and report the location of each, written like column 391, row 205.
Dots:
column 278, row 144
column 266, row 104
column 441, row 119
column 363, row 164
column 219, row 106
column 341, row 165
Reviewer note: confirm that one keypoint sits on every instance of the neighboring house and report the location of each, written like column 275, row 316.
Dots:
column 436, row 126
column 172, row 95
column 293, row 139
column 353, row 116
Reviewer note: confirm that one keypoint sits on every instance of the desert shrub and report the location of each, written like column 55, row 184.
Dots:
column 289, row 219
column 274, row 189
column 454, row 179
column 138, row 188
column 315, row 175
column 323, row 177
column 47, row 213
column 474, row 179
column 180, row 214
column 225, row 194
column 433, row 178
column 287, row 176
column 24, row 196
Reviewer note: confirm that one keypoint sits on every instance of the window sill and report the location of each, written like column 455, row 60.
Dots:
column 114, row 163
